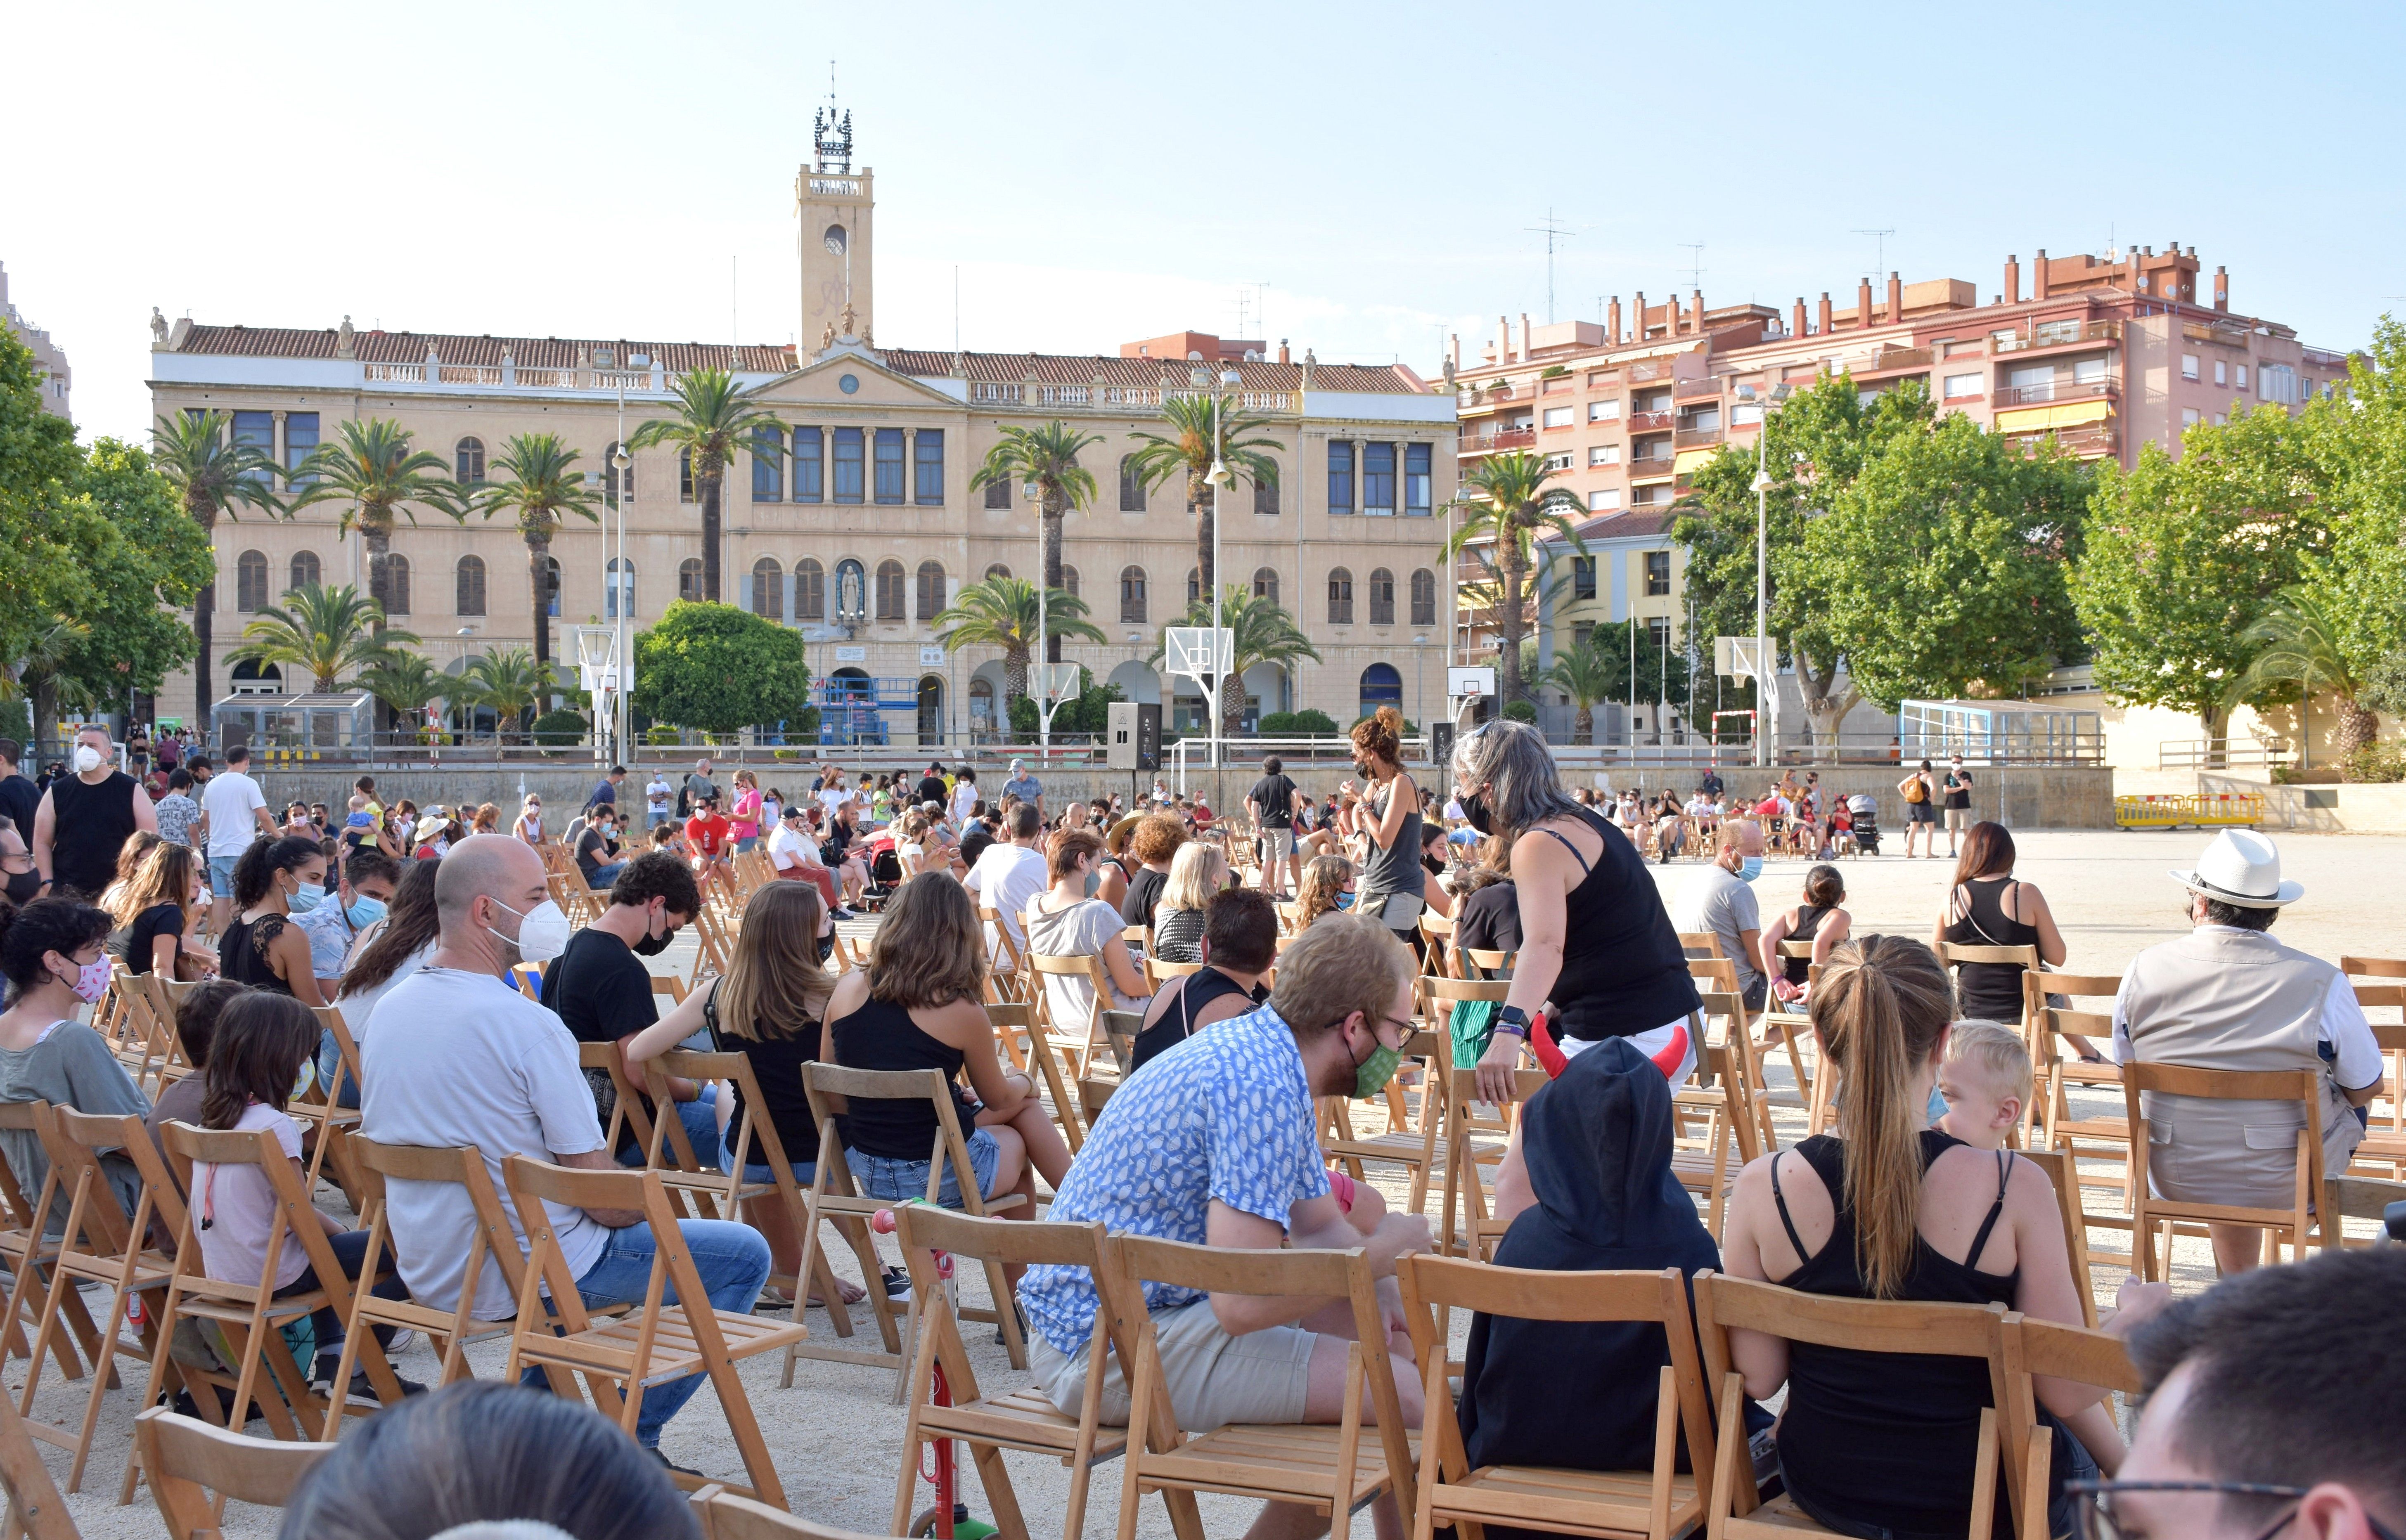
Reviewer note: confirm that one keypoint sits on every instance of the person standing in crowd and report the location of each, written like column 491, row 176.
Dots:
column 1920, row 794
column 273, row 881
column 743, row 818
column 699, row 785
column 334, row 927
column 1025, row 786
column 1818, row 920
column 20, row 882
column 931, row 786
column 176, row 812
column 83, row 819
column 965, row 794
column 1154, row 844
column 659, row 799
column 1956, row 790
column 1271, row 805
column 597, row 848
column 606, row 791
column 1009, row 873
column 1719, row 897
column 236, row 813
column 1393, row 879
column 1239, row 947
column 1988, row 907
column 457, row 1059
column 2228, row 996
column 19, row 799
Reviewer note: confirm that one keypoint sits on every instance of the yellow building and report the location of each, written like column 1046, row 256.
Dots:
column 856, row 523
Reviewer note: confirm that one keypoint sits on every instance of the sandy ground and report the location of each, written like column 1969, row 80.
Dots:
column 835, row 1436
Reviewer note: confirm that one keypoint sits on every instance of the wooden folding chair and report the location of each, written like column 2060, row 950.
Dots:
column 1657, row 1503
column 656, row 1343
column 186, row 1460
column 2059, row 1169
column 2083, row 1355
column 1021, row 1022
column 1004, row 984
column 1079, row 1039
column 28, row 1251
column 724, row 1516
column 1725, row 1303
column 834, row 1196
column 714, row 946
column 1702, row 1162
column 2384, row 1149
column 1794, row 1027
column 681, row 1169
column 1737, row 1063
column 1025, row 1420
column 2058, row 1067
column 35, row 1507
column 2148, row 1212
column 1467, row 1228
column 1322, row 1465
column 1954, row 954
column 2364, row 1199
column 1157, row 972
column 1701, row 943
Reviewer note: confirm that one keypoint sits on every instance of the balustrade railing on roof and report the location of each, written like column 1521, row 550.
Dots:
column 619, row 380
column 2060, row 334
column 396, row 374
column 469, row 373
column 547, row 379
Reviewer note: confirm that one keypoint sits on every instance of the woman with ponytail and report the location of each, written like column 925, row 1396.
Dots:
column 1888, row 1208
column 1389, row 819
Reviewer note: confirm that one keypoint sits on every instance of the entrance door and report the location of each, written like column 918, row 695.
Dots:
column 931, row 711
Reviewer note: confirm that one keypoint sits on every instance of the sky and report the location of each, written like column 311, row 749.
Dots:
column 1362, row 179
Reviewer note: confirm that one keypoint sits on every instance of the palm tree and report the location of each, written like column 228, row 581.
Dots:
column 214, row 475
column 508, row 684
column 1188, row 449
column 35, row 677
column 328, row 631
column 374, row 467
column 714, row 420
column 1506, row 505
column 1047, row 456
column 1001, row 612
column 407, row 683
column 1265, row 633
column 1587, row 676
column 2301, row 636
column 542, row 491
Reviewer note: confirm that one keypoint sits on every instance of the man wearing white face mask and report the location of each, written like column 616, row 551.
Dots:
column 1719, row 899
column 460, row 1058
column 85, row 819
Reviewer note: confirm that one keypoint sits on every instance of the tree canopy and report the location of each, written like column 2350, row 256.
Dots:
column 715, row 668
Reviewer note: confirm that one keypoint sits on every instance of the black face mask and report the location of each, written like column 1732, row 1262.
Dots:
column 23, row 886
column 652, row 946
column 1475, row 812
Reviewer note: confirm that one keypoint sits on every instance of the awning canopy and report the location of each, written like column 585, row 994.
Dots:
column 1690, row 459
column 2033, row 419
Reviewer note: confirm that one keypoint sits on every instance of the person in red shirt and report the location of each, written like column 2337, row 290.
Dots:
column 707, row 833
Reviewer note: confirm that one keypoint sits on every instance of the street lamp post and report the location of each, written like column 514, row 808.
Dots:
column 622, row 592
column 1766, row 675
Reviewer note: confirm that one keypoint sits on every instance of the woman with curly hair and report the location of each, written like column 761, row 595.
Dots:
column 1328, row 886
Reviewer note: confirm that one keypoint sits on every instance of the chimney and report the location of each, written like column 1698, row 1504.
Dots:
column 1896, row 300
column 1863, row 302
column 1796, row 327
column 2038, row 273
column 1612, row 321
column 1457, row 350
column 1640, row 326
column 2012, row 294
column 2221, row 288
column 1524, row 335
column 1503, row 339
column 1696, row 312
column 1825, row 313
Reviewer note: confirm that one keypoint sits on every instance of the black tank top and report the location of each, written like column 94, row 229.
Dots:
column 242, row 953
column 882, row 1036
column 90, row 826
column 1195, row 992
column 1808, row 925
column 1990, row 990
column 1883, row 1438
column 1622, row 970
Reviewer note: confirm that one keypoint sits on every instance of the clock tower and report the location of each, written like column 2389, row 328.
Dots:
column 834, row 205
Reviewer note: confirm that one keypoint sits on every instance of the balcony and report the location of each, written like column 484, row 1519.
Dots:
column 1649, row 422
column 2220, row 335
column 1650, row 465
column 1695, row 438
column 2323, row 358
column 2032, row 395
column 1658, row 369
column 2090, row 440
column 1696, row 389
column 1502, row 439
column 1893, row 359
column 2062, row 335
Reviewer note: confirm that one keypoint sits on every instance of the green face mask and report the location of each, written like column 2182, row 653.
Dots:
column 1371, row 1075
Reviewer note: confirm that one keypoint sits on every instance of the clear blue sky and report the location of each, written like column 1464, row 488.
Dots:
column 1101, row 173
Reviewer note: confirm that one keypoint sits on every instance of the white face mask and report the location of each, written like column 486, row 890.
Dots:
column 542, row 931
column 87, row 759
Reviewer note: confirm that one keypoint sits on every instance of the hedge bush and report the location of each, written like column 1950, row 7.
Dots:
column 560, row 728
column 1302, row 723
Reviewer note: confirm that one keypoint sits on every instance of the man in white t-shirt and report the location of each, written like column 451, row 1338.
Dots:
column 660, row 800
column 237, row 813
column 465, row 1059
column 1011, row 872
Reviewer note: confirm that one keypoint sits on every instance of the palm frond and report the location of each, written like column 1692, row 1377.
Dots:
column 375, row 468
column 330, row 633
column 196, row 450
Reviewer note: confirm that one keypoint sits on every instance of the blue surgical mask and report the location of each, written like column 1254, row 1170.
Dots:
column 1749, row 867
column 365, row 912
column 304, row 899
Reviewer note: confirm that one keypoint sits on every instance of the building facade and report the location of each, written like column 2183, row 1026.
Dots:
column 49, row 360
column 853, row 520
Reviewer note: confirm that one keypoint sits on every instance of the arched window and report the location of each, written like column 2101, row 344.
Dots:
column 1382, row 685
column 1265, row 583
column 889, row 589
column 769, row 590
column 1070, row 580
column 396, row 586
column 618, row 596
column 690, row 579
column 851, row 591
column 470, row 577
column 1424, row 598
column 998, row 492
column 810, row 590
column 1131, row 490
column 1383, row 597
column 612, row 482
column 551, row 586
column 250, row 581
column 1265, row 496
column 305, row 570
column 1194, row 585
column 1340, row 597
column 1132, row 596
column 467, row 462
column 998, row 570
column 931, row 590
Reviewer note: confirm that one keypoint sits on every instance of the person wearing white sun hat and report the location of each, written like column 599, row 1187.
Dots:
column 2228, row 997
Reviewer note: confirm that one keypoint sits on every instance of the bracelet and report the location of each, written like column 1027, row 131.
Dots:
column 1514, row 1029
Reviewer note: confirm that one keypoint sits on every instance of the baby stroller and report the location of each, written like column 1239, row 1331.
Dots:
column 1864, row 809
column 884, row 874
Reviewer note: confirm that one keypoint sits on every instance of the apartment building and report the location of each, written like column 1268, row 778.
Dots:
column 50, row 360
column 852, row 518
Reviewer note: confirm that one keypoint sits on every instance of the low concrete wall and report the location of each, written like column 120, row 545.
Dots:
column 2350, row 808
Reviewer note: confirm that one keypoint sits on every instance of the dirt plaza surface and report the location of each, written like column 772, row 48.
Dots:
column 836, row 1435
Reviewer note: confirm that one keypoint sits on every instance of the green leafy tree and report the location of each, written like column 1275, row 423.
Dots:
column 507, row 682
column 38, row 460
column 325, row 633
column 2182, row 556
column 542, row 493
column 1188, row 450
column 2302, row 646
column 375, row 467
column 1048, row 456
column 1307, row 723
column 141, row 560
column 1509, row 510
column 1939, row 568
column 717, row 668
column 713, row 420
column 212, row 474
column 2355, row 444
column 1001, row 612
column 1264, row 632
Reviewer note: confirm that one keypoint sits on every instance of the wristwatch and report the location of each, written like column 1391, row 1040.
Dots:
column 1514, row 1020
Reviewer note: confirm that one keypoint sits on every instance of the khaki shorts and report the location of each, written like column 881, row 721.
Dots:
column 1277, row 845
column 1213, row 1379
column 1958, row 819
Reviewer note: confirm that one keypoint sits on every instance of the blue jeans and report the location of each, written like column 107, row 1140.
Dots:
column 701, row 1118
column 733, row 1262
column 603, row 876
column 330, row 1065
column 889, row 1177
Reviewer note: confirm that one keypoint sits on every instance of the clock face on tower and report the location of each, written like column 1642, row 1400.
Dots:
column 835, row 239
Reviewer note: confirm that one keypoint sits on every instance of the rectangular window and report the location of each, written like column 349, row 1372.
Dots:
column 1416, row 481
column 2273, row 382
column 769, row 464
column 1583, row 577
column 2189, row 416
column 1340, row 476
column 1604, row 453
column 1745, row 417
column 1658, row 574
column 847, row 465
column 810, row 467
column 927, row 458
column 1658, row 632
column 1604, row 411
column 2088, row 371
column 1378, row 480
column 1603, row 500
column 2221, row 372
column 1582, row 632
column 998, row 492
column 300, row 441
column 2241, row 372
column 1963, row 385
column 257, row 430
column 889, row 465
column 1558, row 416
column 2189, row 366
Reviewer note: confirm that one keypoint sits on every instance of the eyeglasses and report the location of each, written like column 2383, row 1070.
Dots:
column 2097, row 1521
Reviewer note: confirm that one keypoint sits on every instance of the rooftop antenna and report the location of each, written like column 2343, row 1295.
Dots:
column 1553, row 233
column 829, row 138
column 1879, row 259
column 1696, row 264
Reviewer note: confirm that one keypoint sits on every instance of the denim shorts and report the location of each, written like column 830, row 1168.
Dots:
column 221, row 875
column 885, row 1176
column 761, row 1172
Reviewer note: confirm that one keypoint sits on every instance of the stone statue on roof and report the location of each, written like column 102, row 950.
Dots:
column 827, row 338
column 849, row 323
column 158, row 328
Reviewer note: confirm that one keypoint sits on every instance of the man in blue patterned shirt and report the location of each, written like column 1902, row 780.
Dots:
column 1212, row 1143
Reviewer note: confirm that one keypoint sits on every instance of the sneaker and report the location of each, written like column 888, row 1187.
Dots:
column 362, row 1389
column 402, row 1341
column 669, row 1465
column 898, row 1284
column 1003, row 1341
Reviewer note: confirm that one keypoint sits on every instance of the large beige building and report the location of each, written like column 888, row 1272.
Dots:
column 50, row 360
column 855, row 523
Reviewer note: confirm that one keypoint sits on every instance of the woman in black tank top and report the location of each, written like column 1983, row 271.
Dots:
column 1989, row 908
column 1818, row 920
column 1885, row 1443
column 262, row 947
